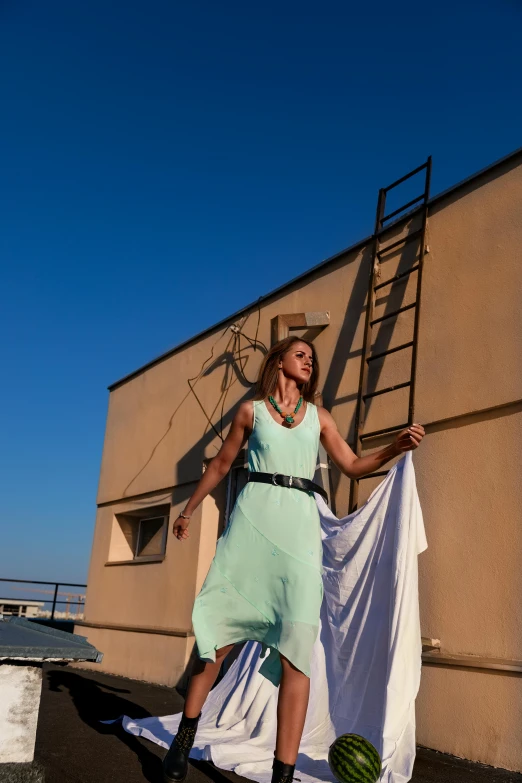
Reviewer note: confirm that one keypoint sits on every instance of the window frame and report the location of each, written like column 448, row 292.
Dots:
column 126, row 533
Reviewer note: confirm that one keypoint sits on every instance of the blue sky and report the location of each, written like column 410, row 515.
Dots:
column 166, row 163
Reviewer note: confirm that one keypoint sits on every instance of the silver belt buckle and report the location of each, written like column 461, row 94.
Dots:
column 274, row 482
column 290, row 482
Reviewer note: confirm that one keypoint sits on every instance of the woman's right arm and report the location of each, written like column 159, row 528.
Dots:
column 219, row 466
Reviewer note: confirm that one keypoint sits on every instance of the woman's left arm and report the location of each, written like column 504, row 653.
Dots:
column 353, row 466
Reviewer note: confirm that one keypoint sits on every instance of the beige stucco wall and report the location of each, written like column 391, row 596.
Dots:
column 467, row 468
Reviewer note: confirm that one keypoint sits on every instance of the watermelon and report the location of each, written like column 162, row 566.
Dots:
column 353, row 759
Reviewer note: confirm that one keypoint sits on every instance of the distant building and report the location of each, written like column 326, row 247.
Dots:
column 11, row 607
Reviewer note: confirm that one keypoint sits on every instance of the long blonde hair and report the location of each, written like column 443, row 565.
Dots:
column 268, row 372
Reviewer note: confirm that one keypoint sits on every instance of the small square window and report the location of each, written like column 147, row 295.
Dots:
column 139, row 536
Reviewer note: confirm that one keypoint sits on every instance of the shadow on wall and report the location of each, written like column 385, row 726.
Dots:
column 235, row 357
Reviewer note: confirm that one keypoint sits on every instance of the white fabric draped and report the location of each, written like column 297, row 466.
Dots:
column 366, row 662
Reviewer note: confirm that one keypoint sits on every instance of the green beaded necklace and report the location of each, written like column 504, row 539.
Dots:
column 289, row 417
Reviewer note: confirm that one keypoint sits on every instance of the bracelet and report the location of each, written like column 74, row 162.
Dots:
column 183, row 515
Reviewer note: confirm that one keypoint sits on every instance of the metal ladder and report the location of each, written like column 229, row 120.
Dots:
column 379, row 250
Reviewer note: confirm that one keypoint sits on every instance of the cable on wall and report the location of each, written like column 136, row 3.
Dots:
column 234, row 348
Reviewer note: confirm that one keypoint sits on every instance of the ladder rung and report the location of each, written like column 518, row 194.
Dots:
column 395, row 428
column 413, row 235
column 388, row 389
column 406, row 176
column 390, row 350
column 373, row 475
column 412, row 212
column 401, row 209
column 395, row 312
column 397, row 277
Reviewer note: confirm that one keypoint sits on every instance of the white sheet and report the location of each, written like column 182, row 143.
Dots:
column 366, row 662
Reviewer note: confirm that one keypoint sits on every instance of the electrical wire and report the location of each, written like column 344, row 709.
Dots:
column 240, row 362
column 235, row 337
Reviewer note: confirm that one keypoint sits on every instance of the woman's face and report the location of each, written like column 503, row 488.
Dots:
column 297, row 362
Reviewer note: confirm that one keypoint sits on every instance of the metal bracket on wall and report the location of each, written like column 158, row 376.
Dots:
column 281, row 325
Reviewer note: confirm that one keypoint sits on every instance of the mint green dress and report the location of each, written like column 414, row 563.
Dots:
column 265, row 580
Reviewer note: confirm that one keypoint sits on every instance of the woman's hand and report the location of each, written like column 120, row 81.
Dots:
column 180, row 528
column 409, row 438
column 219, row 466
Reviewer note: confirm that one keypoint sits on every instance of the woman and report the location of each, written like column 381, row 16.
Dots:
column 265, row 581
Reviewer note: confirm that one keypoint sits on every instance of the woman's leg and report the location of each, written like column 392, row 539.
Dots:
column 292, row 704
column 203, row 677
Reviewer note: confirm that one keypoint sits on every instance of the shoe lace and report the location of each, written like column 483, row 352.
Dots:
column 185, row 737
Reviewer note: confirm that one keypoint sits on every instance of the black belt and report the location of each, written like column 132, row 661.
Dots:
column 293, row 482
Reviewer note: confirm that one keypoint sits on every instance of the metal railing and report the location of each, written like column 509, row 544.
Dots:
column 77, row 599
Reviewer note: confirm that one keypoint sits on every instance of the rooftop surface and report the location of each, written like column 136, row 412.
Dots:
column 73, row 747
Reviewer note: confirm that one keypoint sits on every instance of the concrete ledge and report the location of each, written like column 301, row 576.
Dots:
column 137, row 628
column 20, row 688
column 471, row 661
column 137, row 561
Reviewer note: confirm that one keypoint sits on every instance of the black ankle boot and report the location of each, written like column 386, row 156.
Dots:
column 175, row 763
column 282, row 773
